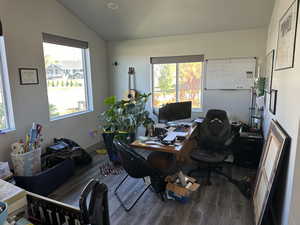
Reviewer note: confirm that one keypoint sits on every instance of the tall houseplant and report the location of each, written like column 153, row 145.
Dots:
column 122, row 118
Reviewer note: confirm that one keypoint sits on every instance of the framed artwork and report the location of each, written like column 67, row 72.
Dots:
column 273, row 101
column 287, row 38
column 276, row 143
column 269, row 66
column 28, row 76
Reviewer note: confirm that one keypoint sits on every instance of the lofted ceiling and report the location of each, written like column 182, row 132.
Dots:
column 154, row 18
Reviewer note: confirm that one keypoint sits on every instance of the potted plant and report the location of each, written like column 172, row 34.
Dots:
column 122, row 118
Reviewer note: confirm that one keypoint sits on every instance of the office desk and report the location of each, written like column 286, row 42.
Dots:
column 182, row 150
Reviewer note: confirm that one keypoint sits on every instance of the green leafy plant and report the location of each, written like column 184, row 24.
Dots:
column 125, row 115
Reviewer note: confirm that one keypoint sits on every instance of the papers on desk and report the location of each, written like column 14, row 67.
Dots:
column 153, row 143
column 157, row 144
column 199, row 120
column 180, row 134
column 160, row 125
column 170, row 137
column 173, row 134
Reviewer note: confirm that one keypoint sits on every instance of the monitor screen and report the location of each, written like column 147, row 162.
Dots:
column 175, row 111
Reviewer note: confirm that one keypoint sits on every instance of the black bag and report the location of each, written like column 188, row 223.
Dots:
column 66, row 148
column 93, row 204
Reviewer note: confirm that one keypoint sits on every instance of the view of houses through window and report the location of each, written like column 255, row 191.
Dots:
column 6, row 112
column 3, row 118
column 66, row 79
column 177, row 82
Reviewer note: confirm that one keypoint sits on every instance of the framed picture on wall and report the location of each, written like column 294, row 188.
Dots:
column 287, row 38
column 273, row 101
column 269, row 66
column 28, row 76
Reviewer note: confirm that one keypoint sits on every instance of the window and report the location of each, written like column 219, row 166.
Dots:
column 68, row 76
column 3, row 112
column 6, row 113
column 177, row 79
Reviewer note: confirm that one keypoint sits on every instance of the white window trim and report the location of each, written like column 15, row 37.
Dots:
column 195, row 110
column 88, row 86
column 70, row 115
column 9, row 114
column 86, row 58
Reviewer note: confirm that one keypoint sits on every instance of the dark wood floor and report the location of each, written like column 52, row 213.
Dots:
column 218, row 204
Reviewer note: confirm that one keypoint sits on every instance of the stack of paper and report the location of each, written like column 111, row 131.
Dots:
column 12, row 195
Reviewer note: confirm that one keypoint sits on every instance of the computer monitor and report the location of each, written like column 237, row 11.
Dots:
column 175, row 111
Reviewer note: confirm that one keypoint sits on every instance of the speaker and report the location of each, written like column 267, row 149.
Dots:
column 247, row 149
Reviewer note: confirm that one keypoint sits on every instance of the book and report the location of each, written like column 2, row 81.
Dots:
column 17, row 206
column 10, row 193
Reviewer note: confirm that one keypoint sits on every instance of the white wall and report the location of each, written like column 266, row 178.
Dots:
column 287, row 82
column 137, row 53
column 23, row 23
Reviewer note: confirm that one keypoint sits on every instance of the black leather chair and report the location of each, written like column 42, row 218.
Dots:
column 157, row 166
column 214, row 140
column 95, row 211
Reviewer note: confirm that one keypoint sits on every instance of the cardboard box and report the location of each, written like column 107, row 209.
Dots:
column 174, row 185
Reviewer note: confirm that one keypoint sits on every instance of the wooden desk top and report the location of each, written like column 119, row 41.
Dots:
column 156, row 147
column 165, row 148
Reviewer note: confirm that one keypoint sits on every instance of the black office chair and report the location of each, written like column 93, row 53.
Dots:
column 156, row 166
column 214, row 141
column 95, row 211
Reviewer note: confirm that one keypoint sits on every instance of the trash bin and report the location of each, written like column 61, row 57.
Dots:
column 27, row 164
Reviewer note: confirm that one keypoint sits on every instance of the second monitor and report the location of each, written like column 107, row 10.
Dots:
column 175, row 111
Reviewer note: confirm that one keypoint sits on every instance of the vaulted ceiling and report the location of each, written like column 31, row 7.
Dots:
column 132, row 19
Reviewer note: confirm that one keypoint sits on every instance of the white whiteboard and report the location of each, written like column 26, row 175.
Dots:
column 225, row 74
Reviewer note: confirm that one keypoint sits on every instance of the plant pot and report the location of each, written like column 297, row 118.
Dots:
column 108, row 138
column 108, row 141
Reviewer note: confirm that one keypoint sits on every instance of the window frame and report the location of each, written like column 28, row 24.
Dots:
column 7, row 99
column 86, row 64
column 177, row 83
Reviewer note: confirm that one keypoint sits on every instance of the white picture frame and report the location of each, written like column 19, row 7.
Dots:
column 287, row 38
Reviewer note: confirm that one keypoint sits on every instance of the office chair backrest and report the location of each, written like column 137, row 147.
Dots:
column 96, row 212
column 215, row 129
column 134, row 164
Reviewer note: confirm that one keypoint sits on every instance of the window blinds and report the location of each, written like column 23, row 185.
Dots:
column 59, row 40
column 177, row 59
